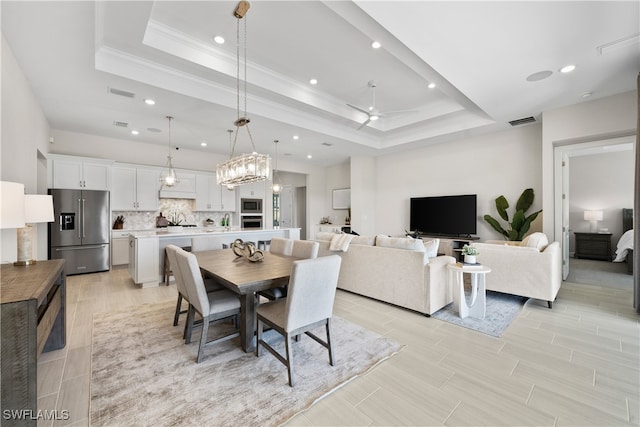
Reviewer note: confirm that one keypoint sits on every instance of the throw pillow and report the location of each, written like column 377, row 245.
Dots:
column 400, row 243
column 431, row 248
column 536, row 240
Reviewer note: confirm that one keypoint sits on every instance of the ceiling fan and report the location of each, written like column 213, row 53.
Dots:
column 372, row 112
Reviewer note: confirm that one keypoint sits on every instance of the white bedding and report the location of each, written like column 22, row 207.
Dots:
column 624, row 245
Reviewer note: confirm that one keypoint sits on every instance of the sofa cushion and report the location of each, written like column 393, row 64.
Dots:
column 536, row 240
column 400, row 243
column 324, row 235
column 363, row 240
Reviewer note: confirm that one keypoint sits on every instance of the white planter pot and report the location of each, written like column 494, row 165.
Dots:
column 470, row 259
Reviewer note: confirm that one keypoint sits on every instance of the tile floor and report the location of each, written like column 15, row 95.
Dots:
column 575, row 365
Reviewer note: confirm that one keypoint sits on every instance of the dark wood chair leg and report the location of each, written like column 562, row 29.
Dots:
column 178, row 307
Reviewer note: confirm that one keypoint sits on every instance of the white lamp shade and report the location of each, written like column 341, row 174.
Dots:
column 11, row 204
column 593, row 215
column 38, row 208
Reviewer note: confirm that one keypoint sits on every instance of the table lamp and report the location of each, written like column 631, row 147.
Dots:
column 593, row 217
column 37, row 208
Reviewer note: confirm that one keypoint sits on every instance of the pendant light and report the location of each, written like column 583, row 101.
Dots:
column 246, row 168
column 276, row 187
column 169, row 178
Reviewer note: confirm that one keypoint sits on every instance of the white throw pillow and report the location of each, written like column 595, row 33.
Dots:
column 536, row 240
column 431, row 248
column 400, row 243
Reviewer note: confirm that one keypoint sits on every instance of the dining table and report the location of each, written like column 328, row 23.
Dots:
column 245, row 278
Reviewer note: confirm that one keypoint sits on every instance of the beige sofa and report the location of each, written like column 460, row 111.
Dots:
column 531, row 268
column 403, row 277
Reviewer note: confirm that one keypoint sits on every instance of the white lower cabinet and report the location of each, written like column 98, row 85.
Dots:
column 119, row 251
column 143, row 261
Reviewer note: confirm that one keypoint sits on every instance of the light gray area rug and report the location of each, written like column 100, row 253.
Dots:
column 502, row 309
column 142, row 373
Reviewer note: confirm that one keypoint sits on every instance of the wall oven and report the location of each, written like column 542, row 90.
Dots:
column 251, row 221
column 251, row 206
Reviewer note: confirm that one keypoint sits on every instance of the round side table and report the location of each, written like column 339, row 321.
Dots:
column 478, row 305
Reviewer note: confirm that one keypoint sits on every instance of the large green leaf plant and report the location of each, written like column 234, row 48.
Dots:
column 520, row 224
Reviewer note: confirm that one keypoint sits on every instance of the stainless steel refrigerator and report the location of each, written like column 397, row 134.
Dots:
column 80, row 232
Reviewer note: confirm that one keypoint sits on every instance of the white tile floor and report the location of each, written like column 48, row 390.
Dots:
column 575, row 365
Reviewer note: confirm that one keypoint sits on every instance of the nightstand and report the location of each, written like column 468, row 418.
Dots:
column 593, row 246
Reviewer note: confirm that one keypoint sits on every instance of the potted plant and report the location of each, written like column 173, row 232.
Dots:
column 519, row 224
column 470, row 253
column 174, row 223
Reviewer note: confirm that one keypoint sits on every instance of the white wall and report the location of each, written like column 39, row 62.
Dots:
column 363, row 195
column 588, row 121
column 25, row 135
column 503, row 163
column 337, row 176
column 600, row 182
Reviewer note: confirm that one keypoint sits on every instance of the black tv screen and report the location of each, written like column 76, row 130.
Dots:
column 444, row 215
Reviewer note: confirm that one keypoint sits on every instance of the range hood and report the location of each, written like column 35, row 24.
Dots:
column 168, row 193
column 185, row 188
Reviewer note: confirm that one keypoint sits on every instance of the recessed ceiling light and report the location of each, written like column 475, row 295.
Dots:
column 431, row 85
column 134, row 132
column 373, row 117
column 587, row 94
column 376, row 45
column 149, row 101
column 218, row 39
column 309, row 156
column 313, row 81
column 296, row 137
column 567, row 68
column 203, row 144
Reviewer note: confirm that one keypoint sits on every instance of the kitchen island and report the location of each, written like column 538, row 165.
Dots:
column 146, row 248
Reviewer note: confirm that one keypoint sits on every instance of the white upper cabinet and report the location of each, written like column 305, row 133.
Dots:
column 135, row 188
column 211, row 197
column 256, row 190
column 80, row 173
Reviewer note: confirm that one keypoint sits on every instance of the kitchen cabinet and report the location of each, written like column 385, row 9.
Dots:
column 119, row 248
column 211, row 197
column 185, row 188
column 143, row 260
column 256, row 190
column 80, row 173
column 135, row 188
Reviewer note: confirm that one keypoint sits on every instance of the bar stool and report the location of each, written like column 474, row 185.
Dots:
column 262, row 244
column 166, row 267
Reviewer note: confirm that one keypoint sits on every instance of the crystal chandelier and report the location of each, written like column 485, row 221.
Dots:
column 169, row 178
column 246, row 168
column 276, row 187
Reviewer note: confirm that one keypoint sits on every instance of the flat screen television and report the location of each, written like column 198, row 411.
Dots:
column 453, row 216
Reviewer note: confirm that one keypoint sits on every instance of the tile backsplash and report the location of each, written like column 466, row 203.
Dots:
column 181, row 208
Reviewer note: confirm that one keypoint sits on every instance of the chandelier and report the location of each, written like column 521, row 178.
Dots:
column 246, row 168
column 169, row 178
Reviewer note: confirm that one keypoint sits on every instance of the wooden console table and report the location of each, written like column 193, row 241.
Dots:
column 32, row 311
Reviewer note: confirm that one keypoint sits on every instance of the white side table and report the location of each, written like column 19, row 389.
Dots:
column 478, row 304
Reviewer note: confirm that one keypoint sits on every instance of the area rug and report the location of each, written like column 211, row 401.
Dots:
column 502, row 309
column 142, row 373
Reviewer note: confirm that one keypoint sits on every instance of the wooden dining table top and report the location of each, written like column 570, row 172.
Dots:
column 244, row 276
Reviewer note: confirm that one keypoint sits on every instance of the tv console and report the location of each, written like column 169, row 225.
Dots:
column 451, row 246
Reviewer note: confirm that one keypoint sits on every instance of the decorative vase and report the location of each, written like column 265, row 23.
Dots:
column 470, row 259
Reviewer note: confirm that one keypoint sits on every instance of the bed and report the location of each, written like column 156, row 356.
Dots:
column 624, row 250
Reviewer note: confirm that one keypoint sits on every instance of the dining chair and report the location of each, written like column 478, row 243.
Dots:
column 304, row 249
column 281, row 246
column 211, row 306
column 309, row 305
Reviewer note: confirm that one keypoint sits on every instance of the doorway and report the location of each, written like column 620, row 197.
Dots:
column 584, row 188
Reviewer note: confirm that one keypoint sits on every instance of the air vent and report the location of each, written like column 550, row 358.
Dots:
column 522, row 121
column 120, row 124
column 154, row 130
column 121, row 92
column 327, row 144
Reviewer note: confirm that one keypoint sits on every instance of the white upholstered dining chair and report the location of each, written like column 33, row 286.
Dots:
column 281, row 246
column 211, row 306
column 303, row 249
column 309, row 305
